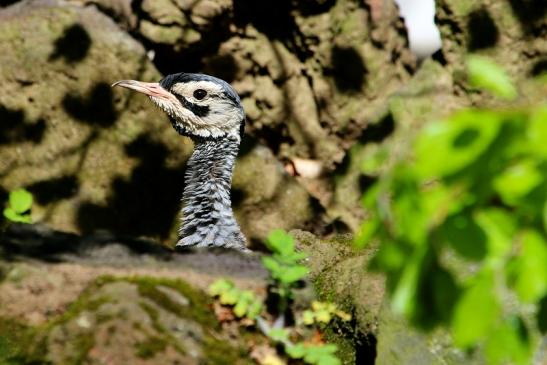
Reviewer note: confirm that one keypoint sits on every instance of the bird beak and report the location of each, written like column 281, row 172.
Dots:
column 147, row 88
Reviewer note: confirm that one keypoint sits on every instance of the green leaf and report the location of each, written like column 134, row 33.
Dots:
column 308, row 317
column 254, row 309
column 486, row 74
column 375, row 162
column 241, row 307
column 517, row 181
column 15, row 217
column 465, row 236
column 403, row 297
column 509, row 343
column 20, row 200
column 531, row 270
column 476, row 312
column 230, row 297
column 329, row 360
column 537, row 131
column 499, row 227
column 280, row 241
column 366, row 233
column 272, row 265
column 323, row 316
column 279, row 334
column 444, row 148
column 321, row 354
column 220, row 286
column 296, row 351
column 293, row 274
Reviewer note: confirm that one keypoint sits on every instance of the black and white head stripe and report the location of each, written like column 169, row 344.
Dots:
column 196, row 79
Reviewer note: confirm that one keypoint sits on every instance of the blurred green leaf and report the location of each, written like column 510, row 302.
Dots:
column 280, row 241
column 500, row 228
column 476, row 312
column 322, row 354
column 220, row 286
column 373, row 164
column 465, row 236
column 308, row 317
column 10, row 214
column 230, row 297
column 509, row 343
column 537, row 132
column 366, row 232
column 254, row 309
column 531, row 271
column 20, row 200
column 444, row 148
column 404, row 296
column 293, row 274
column 272, row 265
column 486, row 74
column 279, row 334
column 517, row 181
column 296, row 351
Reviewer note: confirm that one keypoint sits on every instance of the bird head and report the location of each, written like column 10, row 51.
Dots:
column 199, row 106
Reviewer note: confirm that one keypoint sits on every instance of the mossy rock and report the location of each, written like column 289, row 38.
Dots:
column 134, row 320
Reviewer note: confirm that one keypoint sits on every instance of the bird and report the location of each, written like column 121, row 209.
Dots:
column 209, row 111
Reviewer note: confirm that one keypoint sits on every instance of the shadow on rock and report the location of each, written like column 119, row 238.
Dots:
column 58, row 188
column 539, row 68
column 483, row 32
column 222, row 66
column 73, row 46
column 14, row 127
column 530, row 13
column 146, row 203
column 22, row 242
column 95, row 109
column 271, row 18
column 348, row 68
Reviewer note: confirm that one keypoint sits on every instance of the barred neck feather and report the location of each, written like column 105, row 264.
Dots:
column 208, row 220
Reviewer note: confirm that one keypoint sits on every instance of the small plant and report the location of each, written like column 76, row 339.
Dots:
column 285, row 272
column 244, row 302
column 19, row 204
column 321, row 312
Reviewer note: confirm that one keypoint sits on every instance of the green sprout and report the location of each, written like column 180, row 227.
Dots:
column 19, row 204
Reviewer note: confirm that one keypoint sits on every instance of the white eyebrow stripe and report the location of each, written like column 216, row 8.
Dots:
column 187, row 88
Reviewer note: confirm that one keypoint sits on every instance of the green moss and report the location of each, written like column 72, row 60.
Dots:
column 199, row 302
column 83, row 344
column 150, row 347
column 219, row 352
column 20, row 344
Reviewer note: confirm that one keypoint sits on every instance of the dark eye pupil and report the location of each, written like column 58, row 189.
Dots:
column 200, row 94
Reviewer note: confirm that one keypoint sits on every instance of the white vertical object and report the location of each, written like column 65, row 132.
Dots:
column 423, row 34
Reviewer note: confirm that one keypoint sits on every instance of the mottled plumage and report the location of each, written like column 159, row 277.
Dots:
column 209, row 111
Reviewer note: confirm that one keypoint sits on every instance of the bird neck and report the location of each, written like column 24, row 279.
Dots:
column 207, row 214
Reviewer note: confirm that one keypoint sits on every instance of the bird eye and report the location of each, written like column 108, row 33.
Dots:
column 200, row 94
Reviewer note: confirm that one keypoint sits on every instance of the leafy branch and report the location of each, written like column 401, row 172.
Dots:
column 462, row 225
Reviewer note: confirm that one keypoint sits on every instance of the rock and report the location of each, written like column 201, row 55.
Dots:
column 102, row 159
column 512, row 33
column 163, row 12
column 78, row 141
column 265, row 197
column 340, row 274
column 160, row 33
column 129, row 321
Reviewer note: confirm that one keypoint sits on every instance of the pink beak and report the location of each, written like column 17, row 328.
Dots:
column 147, row 88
